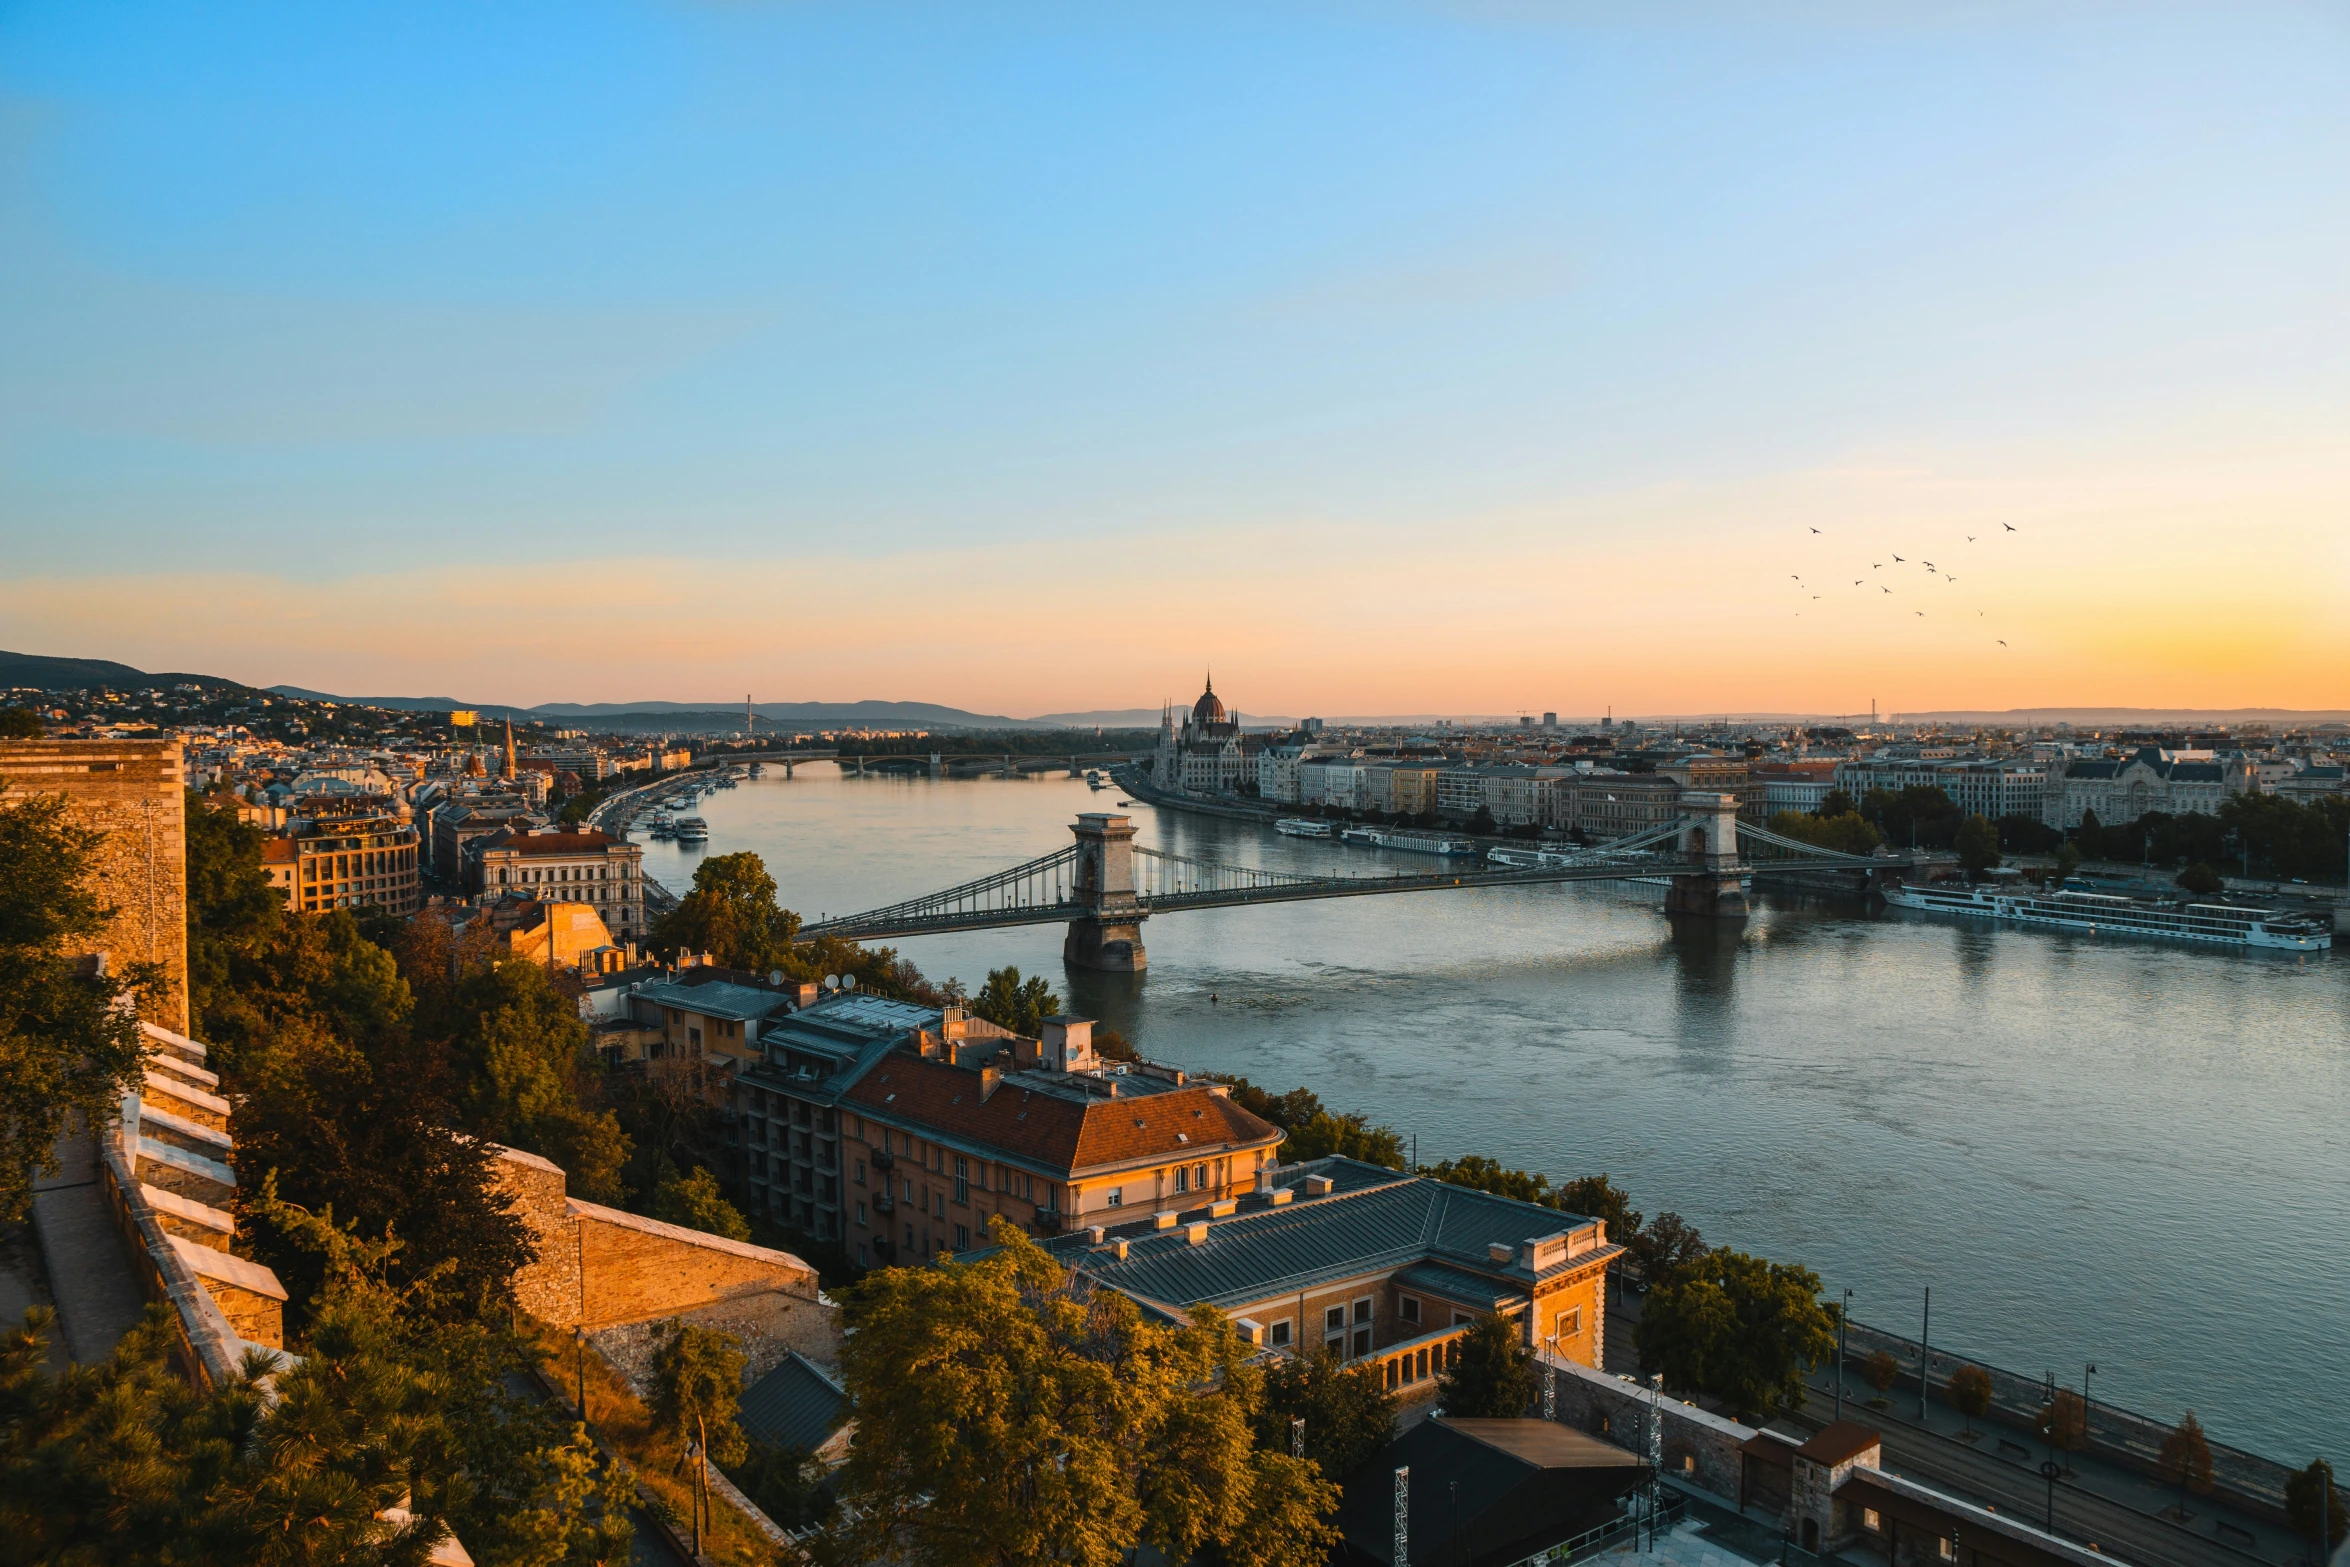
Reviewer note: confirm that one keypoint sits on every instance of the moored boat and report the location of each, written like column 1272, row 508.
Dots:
column 2109, row 914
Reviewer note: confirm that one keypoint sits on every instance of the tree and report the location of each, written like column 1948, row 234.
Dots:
column 2063, row 1421
column 731, row 914
column 697, row 1390
column 1668, row 1245
column 2185, row 1460
column 1007, row 1414
column 1019, row 1005
column 695, row 1202
column 1482, row 822
column 528, row 1073
column 1738, row 1327
column 1597, row 1197
column 1490, row 1373
column 1977, row 843
column 1350, row 1136
column 1836, row 802
column 1847, row 833
column 1969, row 1392
column 2309, row 1495
column 2090, row 835
column 2201, row 880
column 1881, row 1371
column 68, row 1049
column 2068, row 861
column 20, row 723
column 1348, row 1411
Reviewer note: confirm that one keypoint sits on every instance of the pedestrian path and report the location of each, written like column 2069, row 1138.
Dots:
column 90, row 1277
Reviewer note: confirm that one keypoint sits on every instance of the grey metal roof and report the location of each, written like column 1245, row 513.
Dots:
column 718, row 998
column 1454, row 1284
column 1384, row 1221
column 795, row 1405
column 846, row 1037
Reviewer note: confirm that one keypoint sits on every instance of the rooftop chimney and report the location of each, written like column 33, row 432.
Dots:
column 1094, row 1234
column 991, row 1078
column 1196, row 1232
column 1068, row 1044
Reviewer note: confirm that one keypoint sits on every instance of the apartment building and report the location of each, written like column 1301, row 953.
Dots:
column 346, row 861
column 585, row 866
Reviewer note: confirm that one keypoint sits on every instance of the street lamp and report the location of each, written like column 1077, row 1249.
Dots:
column 2087, row 1372
column 2049, row 1470
column 579, row 1344
column 1842, row 1317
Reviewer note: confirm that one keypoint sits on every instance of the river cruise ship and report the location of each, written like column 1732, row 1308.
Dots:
column 1406, row 841
column 692, row 829
column 2104, row 913
column 1302, row 827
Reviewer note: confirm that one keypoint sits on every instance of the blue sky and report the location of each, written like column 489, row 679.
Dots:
column 594, row 351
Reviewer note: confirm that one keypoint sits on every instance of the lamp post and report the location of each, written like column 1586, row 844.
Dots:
column 693, row 1452
column 2049, row 1470
column 2087, row 1372
column 579, row 1345
column 1842, row 1316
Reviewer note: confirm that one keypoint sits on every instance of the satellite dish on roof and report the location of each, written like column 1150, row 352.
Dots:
column 848, row 982
column 832, row 982
column 775, row 976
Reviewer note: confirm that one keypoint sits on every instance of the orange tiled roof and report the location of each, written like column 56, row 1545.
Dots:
column 1055, row 1132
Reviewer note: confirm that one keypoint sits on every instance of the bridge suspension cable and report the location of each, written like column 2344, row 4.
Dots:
column 1045, row 883
column 1163, row 875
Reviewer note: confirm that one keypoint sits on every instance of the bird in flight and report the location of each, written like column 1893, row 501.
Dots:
column 2002, row 641
column 1876, row 565
column 1929, row 565
column 1859, row 582
column 1970, row 538
column 1815, row 530
column 2009, row 526
column 1884, row 590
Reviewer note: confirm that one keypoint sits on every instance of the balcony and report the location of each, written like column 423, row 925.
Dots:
column 883, row 1202
column 883, row 1159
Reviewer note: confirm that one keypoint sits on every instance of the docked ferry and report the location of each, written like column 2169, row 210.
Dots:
column 1407, row 841
column 2105, row 913
column 692, row 829
column 1302, row 827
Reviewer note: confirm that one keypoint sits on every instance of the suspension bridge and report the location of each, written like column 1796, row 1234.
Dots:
column 1104, row 884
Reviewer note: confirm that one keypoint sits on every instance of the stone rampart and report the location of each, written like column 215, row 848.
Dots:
column 1701, row 1448
column 133, row 791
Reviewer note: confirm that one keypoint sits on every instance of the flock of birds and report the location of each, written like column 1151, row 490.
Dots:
column 1931, row 570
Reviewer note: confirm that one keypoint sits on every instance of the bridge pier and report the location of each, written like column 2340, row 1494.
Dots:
column 1109, row 938
column 1710, row 888
column 938, row 768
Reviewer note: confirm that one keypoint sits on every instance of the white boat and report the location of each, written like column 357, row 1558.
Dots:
column 692, row 829
column 662, row 827
column 1405, row 841
column 2105, row 913
column 1302, row 827
column 1095, row 780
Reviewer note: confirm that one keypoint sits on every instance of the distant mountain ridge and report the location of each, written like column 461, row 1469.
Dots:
column 705, row 715
column 41, row 672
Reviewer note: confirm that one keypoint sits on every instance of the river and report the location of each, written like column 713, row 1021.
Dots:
column 2090, row 1149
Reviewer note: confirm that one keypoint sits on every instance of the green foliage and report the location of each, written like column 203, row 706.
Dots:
column 1482, row 822
column 2288, row 837
column 1968, row 1391
column 697, row 1390
column 1836, row 802
column 781, row 1482
column 1738, row 1327
column 695, row 1202
column 67, row 1051
column 1348, row 1411
column 530, row 1076
column 2201, row 880
column 1846, row 833
column 1597, row 1197
column 125, row 1462
column 2021, row 834
column 2068, row 860
column 730, row 914
column 21, row 723
column 1491, row 1373
column 2063, row 1422
column 2090, row 835
column 2310, row 1493
column 1977, row 843
column 1667, row 1246
column 1006, row 1415
column 1350, row 1135
column 1920, row 813
column 1020, row 1005
column 1314, row 1131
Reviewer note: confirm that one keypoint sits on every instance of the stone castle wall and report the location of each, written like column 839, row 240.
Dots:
column 134, row 792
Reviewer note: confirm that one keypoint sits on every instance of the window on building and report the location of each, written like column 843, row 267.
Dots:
column 1408, row 1307
column 962, row 1183
column 1461, row 1318
column 1569, row 1324
column 1199, row 1176
column 1362, row 1342
column 1334, row 1320
column 962, row 1237
column 860, row 1215
column 938, row 1205
column 1116, row 1198
column 1870, row 1520
column 1947, row 1548
column 1362, row 1311
column 860, row 1175
column 862, row 1260
column 1183, row 1180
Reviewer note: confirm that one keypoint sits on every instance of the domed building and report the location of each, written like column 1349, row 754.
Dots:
column 1206, row 754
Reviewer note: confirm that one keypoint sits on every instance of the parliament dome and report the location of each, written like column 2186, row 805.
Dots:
column 1208, row 709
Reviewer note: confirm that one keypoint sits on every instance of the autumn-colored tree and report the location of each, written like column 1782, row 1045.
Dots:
column 2063, row 1422
column 1969, row 1392
column 1881, row 1371
column 2185, row 1460
column 1349, row 1413
column 1009, row 1414
column 2311, row 1498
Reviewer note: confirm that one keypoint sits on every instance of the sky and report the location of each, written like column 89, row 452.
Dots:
column 1473, row 357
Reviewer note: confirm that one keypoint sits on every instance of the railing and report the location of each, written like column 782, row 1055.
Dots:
column 1415, row 1360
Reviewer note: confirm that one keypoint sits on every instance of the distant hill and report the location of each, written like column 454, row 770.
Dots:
column 705, row 716
column 2107, row 717
column 82, row 674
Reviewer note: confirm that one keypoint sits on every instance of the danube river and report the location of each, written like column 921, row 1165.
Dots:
column 2091, row 1150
